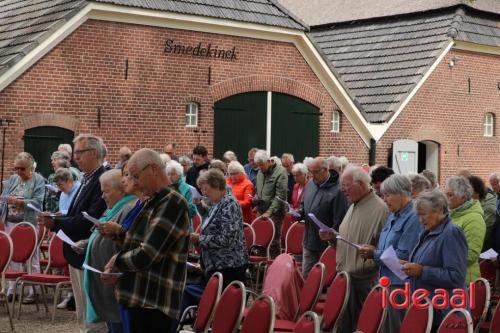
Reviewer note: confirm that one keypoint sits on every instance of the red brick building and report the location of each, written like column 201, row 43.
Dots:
column 240, row 76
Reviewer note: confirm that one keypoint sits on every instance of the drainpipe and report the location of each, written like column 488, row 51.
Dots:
column 372, row 153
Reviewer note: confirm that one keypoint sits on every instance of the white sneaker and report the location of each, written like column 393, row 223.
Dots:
column 64, row 303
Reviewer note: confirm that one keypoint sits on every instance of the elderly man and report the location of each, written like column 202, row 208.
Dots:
column 361, row 225
column 124, row 155
column 170, row 151
column 154, row 252
column 287, row 161
column 323, row 198
column 88, row 155
column 200, row 162
column 271, row 187
column 251, row 168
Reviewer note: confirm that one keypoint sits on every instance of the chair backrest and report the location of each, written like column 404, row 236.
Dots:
column 372, row 315
column 495, row 320
column 208, row 303
column 456, row 321
column 308, row 323
column 2, row 227
column 287, row 223
column 196, row 220
column 229, row 310
column 6, row 250
column 56, row 257
column 417, row 320
column 329, row 259
column 295, row 238
column 488, row 271
column 249, row 235
column 482, row 301
column 264, row 232
column 311, row 290
column 24, row 237
column 336, row 301
column 42, row 231
column 260, row 316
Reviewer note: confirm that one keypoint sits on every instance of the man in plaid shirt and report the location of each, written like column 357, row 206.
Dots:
column 154, row 253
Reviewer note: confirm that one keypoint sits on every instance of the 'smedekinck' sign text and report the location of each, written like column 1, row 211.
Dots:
column 200, row 50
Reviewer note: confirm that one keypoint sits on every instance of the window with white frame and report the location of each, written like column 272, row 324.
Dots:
column 192, row 114
column 335, row 121
column 489, row 125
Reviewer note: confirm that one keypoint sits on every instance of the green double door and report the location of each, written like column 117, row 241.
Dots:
column 240, row 123
column 42, row 141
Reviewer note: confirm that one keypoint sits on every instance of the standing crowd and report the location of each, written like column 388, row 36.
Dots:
column 148, row 204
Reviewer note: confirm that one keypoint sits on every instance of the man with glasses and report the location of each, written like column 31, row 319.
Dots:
column 88, row 154
column 154, row 252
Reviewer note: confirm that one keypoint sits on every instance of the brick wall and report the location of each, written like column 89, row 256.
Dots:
column 87, row 71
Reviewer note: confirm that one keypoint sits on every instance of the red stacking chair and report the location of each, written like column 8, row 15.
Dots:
column 489, row 272
column 294, row 239
column 2, row 227
column 329, row 259
column 249, row 235
column 492, row 326
column 336, row 302
column 260, row 316
column 456, row 321
column 372, row 315
column 287, row 223
column 417, row 320
column 6, row 251
column 308, row 297
column 308, row 323
column 196, row 220
column 482, row 301
column 59, row 282
column 229, row 310
column 206, row 307
column 264, row 235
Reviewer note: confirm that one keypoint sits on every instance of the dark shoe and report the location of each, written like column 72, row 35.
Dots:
column 10, row 298
column 70, row 306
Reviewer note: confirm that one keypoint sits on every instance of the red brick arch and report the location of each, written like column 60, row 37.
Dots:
column 279, row 84
column 50, row 119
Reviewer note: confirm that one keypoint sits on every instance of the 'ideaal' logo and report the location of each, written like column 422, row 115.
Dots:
column 200, row 50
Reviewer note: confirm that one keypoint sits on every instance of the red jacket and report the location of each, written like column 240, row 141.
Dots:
column 243, row 191
column 296, row 198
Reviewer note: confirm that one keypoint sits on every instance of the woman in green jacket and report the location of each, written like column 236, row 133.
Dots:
column 467, row 214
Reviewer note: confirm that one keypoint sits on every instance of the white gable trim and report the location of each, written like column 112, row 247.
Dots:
column 123, row 14
column 473, row 47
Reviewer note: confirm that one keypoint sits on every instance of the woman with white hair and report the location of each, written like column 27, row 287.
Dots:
column 174, row 172
column 301, row 177
column 242, row 189
column 467, row 214
column 228, row 157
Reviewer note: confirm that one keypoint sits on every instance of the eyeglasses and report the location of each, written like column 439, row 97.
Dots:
column 19, row 168
column 315, row 171
column 81, row 151
column 136, row 177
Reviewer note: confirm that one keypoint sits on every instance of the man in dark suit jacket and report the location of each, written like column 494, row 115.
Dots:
column 88, row 153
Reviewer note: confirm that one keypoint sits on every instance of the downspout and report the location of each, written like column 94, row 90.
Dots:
column 372, row 152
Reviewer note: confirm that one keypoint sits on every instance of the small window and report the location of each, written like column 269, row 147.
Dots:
column 192, row 114
column 489, row 125
column 336, row 121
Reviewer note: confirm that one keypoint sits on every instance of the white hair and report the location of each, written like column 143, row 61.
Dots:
column 66, row 147
column 287, row 156
column 276, row 160
column 345, row 161
column 174, row 166
column 113, row 177
column 358, row 174
column 300, row 168
column 495, row 175
column 460, row 186
column 334, row 163
column 261, row 156
column 307, row 161
column 229, row 156
column 235, row 166
column 165, row 158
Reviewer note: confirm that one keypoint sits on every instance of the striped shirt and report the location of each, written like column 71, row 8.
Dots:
column 154, row 254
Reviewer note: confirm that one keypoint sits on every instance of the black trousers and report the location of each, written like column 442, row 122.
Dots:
column 148, row 321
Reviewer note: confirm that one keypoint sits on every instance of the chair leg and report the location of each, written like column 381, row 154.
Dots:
column 6, row 303
column 21, row 296
column 57, row 291
column 44, row 296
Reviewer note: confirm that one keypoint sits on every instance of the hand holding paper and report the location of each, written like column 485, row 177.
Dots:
column 321, row 225
column 357, row 246
column 95, row 221
column 194, row 192
column 95, row 270
column 488, row 254
column 391, row 260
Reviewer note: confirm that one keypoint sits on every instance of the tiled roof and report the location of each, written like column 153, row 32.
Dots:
column 381, row 61
column 24, row 24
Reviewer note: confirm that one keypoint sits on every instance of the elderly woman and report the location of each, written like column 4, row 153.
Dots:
column 174, row 173
column 23, row 188
column 242, row 189
column 68, row 187
column 301, row 177
column 228, row 157
column 488, row 203
column 439, row 260
column 467, row 214
column 101, row 302
column 400, row 231
column 186, row 163
column 419, row 184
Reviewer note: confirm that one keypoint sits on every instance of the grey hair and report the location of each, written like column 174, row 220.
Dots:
column 345, row 161
column 66, row 147
column 434, row 200
column 114, row 178
column 335, row 163
column 63, row 175
column 146, row 156
column 213, row 178
column 59, row 155
column 261, row 156
column 419, row 183
column 358, row 174
column 185, row 159
column 235, row 166
column 229, row 156
column 165, row 158
column 174, row 166
column 27, row 157
column 63, row 163
column 495, row 175
column 287, row 156
column 276, row 160
column 93, row 142
column 307, row 161
column 300, row 168
column 460, row 186
column 396, row 184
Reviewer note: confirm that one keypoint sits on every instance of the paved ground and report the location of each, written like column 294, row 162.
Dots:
column 32, row 321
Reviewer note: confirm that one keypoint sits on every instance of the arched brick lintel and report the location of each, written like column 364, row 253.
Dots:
column 267, row 83
column 50, row 119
